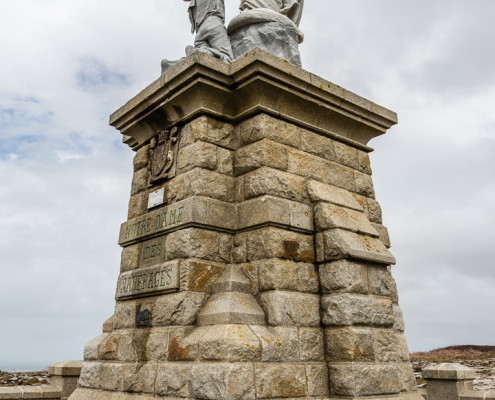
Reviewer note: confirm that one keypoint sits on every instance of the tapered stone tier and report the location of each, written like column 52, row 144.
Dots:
column 255, row 264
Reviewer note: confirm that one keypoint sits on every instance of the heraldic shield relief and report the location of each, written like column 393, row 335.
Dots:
column 163, row 156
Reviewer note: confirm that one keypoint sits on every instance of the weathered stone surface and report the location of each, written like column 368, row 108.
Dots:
column 399, row 325
column 280, row 380
column 330, row 216
column 364, row 162
column 107, row 326
column 277, row 183
column 200, row 182
column 178, row 308
column 239, row 248
column 346, row 155
column 112, row 376
column 385, row 345
column 173, row 379
column 124, row 316
column 199, row 243
column 337, row 244
column 209, row 130
column 352, row 309
column 402, row 348
column 278, row 343
column 274, row 210
column 364, row 184
column 223, row 381
column 157, row 344
column 321, row 170
column 349, row 344
column 198, row 275
column 91, row 347
column 229, row 343
column 231, row 308
column 279, row 243
column 407, row 380
column 140, row 378
column 139, row 181
column 265, row 153
column 380, row 280
column 311, row 344
column 317, row 145
column 344, row 276
column 183, row 343
column 331, row 194
column 142, row 157
column 374, row 210
column 132, row 345
column 109, row 346
column 291, row 308
column 138, row 205
column 383, row 233
column 225, row 161
column 359, row 379
column 265, row 126
column 90, row 375
column 199, row 154
column 278, row 39
column 232, row 279
column 317, row 377
column 285, row 274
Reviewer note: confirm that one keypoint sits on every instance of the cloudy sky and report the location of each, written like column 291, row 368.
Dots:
column 65, row 176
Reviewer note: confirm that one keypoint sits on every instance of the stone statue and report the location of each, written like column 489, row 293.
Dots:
column 208, row 22
column 268, row 24
column 290, row 8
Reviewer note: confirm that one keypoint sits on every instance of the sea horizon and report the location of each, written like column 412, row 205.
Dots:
column 25, row 366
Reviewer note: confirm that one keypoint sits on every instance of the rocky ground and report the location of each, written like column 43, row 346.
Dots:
column 480, row 358
column 24, row 378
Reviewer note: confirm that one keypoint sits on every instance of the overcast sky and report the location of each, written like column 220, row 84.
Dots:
column 65, row 176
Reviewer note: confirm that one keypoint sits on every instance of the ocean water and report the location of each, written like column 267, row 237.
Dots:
column 24, row 366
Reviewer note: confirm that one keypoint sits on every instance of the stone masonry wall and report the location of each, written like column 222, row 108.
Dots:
column 283, row 278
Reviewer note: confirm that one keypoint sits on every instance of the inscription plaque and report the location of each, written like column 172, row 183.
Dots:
column 156, row 198
column 149, row 281
column 153, row 222
column 153, row 252
column 197, row 210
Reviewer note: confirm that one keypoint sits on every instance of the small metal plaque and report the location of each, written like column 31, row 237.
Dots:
column 149, row 281
column 156, row 198
column 143, row 318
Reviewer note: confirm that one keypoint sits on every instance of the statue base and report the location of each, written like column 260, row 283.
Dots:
column 255, row 264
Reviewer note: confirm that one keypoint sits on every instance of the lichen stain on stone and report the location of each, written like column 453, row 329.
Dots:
column 288, row 387
column 200, row 276
column 176, row 352
column 290, row 249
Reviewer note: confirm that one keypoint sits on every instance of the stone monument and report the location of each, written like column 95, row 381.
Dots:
column 255, row 264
